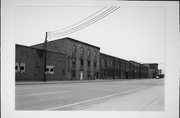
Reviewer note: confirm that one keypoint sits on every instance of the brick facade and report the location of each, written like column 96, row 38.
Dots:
column 152, row 69
column 82, row 58
column 33, row 64
column 115, row 68
column 70, row 59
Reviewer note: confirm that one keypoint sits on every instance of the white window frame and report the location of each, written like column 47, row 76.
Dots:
column 49, row 67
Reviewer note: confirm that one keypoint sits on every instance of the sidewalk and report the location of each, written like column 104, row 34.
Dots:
column 70, row 81
column 151, row 99
column 62, row 82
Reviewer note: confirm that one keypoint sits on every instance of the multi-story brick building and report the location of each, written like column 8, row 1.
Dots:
column 116, row 68
column 82, row 58
column 113, row 67
column 70, row 59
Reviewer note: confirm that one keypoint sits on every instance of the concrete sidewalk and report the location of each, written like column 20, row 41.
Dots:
column 64, row 82
column 150, row 99
column 72, row 81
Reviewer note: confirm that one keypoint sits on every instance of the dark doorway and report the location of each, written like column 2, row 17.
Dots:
column 127, row 75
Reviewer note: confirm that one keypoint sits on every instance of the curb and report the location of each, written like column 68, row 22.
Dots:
column 73, row 81
column 62, row 82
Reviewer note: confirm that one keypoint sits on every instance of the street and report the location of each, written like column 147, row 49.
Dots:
column 90, row 95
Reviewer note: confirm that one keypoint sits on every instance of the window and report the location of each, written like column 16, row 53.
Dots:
column 111, row 64
column 95, row 64
column 40, row 53
column 22, row 67
column 102, row 63
column 74, row 63
column 89, row 52
column 89, row 63
column 17, row 68
column 82, row 62
column 82, row 50
column 52, row 70
column 74, row 48
column 95, row 53
column 49, row 69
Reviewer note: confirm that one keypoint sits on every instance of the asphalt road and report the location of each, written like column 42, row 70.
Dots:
column 76, row 96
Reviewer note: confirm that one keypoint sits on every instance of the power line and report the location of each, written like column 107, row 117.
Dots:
column 80, row 21
column 97, row 18
column 89, row 22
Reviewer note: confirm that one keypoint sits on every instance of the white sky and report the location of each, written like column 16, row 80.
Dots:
column 131, row 33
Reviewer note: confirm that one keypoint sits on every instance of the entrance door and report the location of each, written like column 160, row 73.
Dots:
column 127, row 75
column 81, row 75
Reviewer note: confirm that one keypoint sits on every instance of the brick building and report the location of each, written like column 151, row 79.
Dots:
column 30, row 64
column 153, row 69
column 82, row 58
column 70, row 59
column 115, row 68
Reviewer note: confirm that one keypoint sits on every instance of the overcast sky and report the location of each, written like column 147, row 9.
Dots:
column 131, row 33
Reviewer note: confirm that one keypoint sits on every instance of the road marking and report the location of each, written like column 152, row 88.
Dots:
column 44, row 93
column 97, row 98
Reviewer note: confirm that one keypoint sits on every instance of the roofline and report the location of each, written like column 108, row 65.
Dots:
column 38, row 49
column 68, row 38
column 114, row 56
column 150, row 63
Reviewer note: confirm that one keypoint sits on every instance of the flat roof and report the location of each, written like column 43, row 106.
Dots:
column 38, row 49
column 151, row 63
column 113, row 56
column 68, row 38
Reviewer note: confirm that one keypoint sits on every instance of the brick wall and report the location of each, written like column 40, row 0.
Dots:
column 34, row 64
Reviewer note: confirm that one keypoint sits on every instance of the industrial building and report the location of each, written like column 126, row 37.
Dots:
column 116, row 68
column 30, row 64
column 70, row 59
column 82, row 58
column 153, row 69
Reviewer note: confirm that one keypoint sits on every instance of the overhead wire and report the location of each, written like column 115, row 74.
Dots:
column 91, row 21
column 87, row 23
column 80, row 21
column 95, row 19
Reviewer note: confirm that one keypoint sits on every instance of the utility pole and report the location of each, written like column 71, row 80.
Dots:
column 45, row 51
